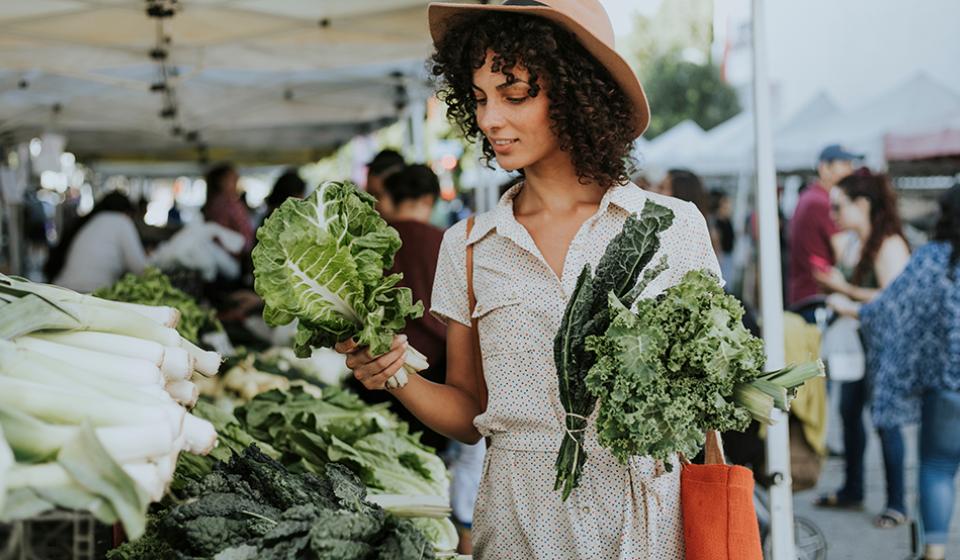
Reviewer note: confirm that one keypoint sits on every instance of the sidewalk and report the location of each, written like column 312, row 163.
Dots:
column 851, row 535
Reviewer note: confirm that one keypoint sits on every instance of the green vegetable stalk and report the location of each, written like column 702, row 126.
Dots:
column 587, row 314
column 321, row 261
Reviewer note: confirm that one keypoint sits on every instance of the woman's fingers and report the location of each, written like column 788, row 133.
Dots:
column 346, row 347
column 379, row 381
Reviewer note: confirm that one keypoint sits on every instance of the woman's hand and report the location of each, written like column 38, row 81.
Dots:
column 832, row 279
column 373, row 371
column 843, row 305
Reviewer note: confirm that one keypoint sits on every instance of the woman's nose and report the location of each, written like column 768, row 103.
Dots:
column 490, row 118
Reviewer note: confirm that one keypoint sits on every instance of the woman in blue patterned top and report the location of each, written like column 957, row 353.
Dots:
column 917, row 377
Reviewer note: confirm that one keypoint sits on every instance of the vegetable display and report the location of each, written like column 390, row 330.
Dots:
column 252, row 508
column 321, row 261
column 154, row 288
column 680, row 364
column 93, row 403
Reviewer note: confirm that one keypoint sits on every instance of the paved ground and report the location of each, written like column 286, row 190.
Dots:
column 851, row 535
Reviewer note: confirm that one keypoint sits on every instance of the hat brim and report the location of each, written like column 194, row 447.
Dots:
column 442, row 15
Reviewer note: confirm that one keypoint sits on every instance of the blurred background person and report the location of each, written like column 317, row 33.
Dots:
column 721, row 210
column 384, row 164
column 865, row 204
column 99, row 248
column 915, row 327
column 811, row 231
column 224, row 205
column 288, row 185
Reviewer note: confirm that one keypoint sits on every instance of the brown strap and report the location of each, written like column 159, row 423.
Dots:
column 713, row 450
column 472, row 300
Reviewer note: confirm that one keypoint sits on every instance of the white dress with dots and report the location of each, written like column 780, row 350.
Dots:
column 619, row 511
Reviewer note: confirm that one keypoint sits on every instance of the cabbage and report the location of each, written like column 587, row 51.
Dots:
column 321, row 261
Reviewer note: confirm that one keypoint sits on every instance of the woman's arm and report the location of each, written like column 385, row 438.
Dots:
column 449, row 408
column 892, row 258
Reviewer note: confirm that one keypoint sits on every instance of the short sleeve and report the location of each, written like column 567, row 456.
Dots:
column 449, row 296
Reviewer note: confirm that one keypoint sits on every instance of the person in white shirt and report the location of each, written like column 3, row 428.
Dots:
column 99, row 248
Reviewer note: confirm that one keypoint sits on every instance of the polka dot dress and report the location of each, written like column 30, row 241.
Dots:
column 619, row 511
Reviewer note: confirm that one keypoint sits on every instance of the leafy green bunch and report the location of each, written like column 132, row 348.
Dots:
column 668, row 372
column 321, row 260
column 153, row 287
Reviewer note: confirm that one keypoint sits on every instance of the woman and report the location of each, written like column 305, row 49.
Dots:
column 99, row 248
column 541, row 87
column 865, row 205
column 917, row 377
column 223, row 204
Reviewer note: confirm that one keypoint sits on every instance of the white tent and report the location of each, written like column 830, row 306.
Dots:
column 728, row 148
column 259, row 80
column 672, row 148
column 862, row 129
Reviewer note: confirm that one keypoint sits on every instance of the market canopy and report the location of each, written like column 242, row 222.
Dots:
column 255, row 80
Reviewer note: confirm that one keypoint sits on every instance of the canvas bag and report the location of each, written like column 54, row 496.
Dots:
column 719, row 519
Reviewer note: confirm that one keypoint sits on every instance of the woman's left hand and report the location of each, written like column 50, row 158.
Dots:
column 843, row 305
column 832, row 279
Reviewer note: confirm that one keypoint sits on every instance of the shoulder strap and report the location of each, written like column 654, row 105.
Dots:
column 472, row 300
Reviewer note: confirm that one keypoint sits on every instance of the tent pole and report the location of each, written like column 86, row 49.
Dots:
column 771, row 298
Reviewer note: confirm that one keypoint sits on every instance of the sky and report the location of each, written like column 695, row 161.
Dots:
column 621, row 12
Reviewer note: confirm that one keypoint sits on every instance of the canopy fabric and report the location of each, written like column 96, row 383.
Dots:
column 260, row 79
column 938, row 138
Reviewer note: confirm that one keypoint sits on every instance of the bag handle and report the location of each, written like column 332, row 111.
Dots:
column 712, row 450
column 472, row 300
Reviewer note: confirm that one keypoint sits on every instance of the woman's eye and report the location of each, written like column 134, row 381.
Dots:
column 516, row 100
column 481, row 101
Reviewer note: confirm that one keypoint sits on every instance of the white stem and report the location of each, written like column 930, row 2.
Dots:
column 118, row 344
column 415, row 359
column 207, row 363
column 147, row 477
column 177, row 364
column 119, row 368
column 128, row 444
column 44, row 475
column 201, row 436
column 184, row 392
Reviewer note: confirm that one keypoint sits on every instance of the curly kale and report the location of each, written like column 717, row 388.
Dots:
column 252, row 507
column 667, row 372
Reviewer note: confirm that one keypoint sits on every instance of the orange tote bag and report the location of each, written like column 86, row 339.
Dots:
column 719, row 520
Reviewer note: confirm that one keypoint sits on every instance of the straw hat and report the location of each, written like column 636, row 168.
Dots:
column 586, row 19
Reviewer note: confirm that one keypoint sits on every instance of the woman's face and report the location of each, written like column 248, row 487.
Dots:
column 849, row 214
column 515, row 124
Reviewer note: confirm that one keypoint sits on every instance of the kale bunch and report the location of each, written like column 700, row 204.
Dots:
column 251, row 507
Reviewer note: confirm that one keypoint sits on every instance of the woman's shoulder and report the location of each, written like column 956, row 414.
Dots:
column 456, row 235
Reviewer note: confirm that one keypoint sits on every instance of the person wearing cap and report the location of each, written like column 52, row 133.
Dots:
column 812, row 232
column 540, row 86
column 384, row 164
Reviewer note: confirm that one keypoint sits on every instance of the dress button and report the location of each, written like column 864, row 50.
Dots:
column 585, row 510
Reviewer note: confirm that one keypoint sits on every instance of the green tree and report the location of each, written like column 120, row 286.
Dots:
column 679, row 90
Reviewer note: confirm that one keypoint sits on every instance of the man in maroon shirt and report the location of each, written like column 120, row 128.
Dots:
column 412, row 192
column 811, row 230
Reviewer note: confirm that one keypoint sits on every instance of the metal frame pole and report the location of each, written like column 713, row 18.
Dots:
column 771, row 294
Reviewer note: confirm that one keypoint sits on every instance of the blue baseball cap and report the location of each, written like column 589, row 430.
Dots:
column 836, row 152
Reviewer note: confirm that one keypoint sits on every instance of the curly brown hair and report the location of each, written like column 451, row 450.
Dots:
column 590, row 115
